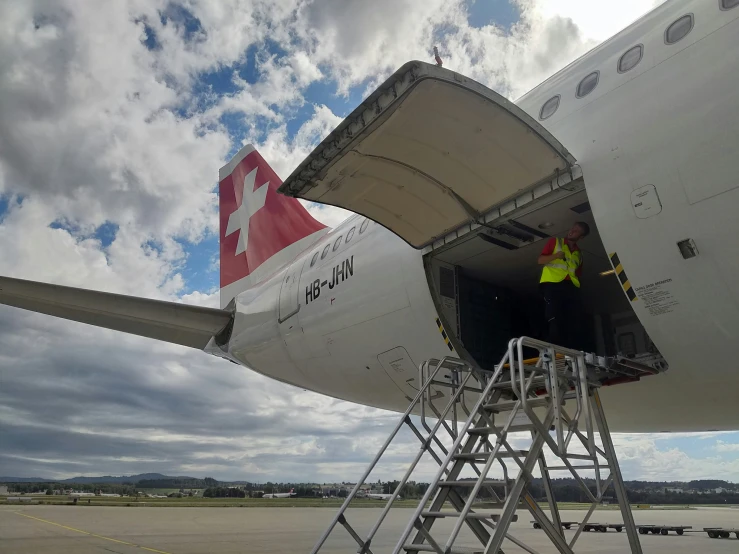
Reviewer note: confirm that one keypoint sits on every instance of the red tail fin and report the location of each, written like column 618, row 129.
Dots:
column 260, row 229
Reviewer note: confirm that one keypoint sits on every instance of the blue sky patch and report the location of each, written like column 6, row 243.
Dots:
column 272, row 48
column 7, row 202
column 234, row 123
column 65, row 225
column 180, row 16
column 150, row 41
column 198, row 271
column 503, row 13
column 220, row 80
column 150, row 245
column 106, row 233
column 324, row 92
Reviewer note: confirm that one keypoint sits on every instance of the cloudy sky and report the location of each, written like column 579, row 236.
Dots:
column 114, row 120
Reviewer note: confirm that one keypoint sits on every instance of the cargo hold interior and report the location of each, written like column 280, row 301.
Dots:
column 486, row 284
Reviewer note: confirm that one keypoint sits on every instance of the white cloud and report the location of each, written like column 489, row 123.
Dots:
column 597, row 20
column 88, row 123
column 371, row 45
column 30, row 249
column 722, row 446
column 641, row 457
column 331, row 216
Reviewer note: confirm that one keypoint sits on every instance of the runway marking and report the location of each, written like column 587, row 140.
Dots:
column 93, row 534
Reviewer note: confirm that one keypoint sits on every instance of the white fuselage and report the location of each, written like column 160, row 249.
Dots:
column 375, row 496
column 366, row 315
column 279, row 495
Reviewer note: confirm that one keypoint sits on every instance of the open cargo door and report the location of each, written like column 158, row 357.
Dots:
column 428, row 153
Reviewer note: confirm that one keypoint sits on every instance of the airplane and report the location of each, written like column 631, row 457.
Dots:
column 454, row 190
column 280, row 494
column 378, row 496
column 74, row 495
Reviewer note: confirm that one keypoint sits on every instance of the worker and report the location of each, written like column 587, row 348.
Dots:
column 560, row 287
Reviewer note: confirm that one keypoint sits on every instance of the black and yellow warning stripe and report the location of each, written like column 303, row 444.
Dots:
column 443, row 334
column 625, row 283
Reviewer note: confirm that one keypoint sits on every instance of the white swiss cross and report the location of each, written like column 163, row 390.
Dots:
column 251, row 202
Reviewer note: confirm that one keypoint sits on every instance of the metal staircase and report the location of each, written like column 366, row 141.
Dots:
column 553, row 398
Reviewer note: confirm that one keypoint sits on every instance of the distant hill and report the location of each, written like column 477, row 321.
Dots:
column 117, row 480
column 90, row 480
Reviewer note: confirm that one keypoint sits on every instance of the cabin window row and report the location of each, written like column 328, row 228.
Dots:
column 337, row 242
column 675, row 32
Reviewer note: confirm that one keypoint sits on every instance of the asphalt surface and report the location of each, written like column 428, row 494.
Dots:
column 135, row 530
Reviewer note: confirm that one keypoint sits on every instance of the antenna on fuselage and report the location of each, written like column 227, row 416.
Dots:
column 437, row 57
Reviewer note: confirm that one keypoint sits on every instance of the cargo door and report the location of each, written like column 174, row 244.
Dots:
column 430, row 152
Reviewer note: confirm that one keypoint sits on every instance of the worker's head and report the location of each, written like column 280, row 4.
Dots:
column 578, row 231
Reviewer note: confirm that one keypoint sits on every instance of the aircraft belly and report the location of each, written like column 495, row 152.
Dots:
column 669, row 403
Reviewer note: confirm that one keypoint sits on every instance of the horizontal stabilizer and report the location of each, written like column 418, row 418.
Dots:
column 191, row 326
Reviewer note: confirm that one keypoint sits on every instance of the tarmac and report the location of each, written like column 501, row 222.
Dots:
column 180, row 530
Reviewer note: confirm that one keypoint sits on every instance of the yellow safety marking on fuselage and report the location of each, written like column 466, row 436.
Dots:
column 623, row 279
column 93, row 534
column 444, row 334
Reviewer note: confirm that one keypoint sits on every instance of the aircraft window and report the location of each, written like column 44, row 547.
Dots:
column 549, row 107
column 350, row 234
column 337, row 243
column 728, row 4
column 588, row 83
column 325, row 251
column 679, row 29
column 630, row 58
column 313, row 261
column 364, row 226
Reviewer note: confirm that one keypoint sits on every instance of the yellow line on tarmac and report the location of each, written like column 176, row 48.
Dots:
column 93, row 534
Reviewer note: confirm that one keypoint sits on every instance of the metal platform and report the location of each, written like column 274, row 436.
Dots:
column 553, row 398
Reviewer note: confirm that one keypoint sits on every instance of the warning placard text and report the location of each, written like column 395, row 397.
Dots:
column 657, row 297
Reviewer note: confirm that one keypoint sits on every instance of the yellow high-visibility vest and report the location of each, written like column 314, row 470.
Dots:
column 557, row 271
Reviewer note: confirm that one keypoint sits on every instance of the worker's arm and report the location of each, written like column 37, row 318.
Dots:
column 544, row 259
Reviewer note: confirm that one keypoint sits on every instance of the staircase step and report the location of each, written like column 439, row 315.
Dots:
column 489, row 430
column 509, row 405
column 506, row 385
column 485, row 455
column 453, row 550
column 537, row 402
column 471, row 515
column 492, row 505
column 471, row 483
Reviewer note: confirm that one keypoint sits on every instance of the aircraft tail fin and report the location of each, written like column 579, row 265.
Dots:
column 260, row 230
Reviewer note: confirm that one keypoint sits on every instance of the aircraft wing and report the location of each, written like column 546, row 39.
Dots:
column 191, row 326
